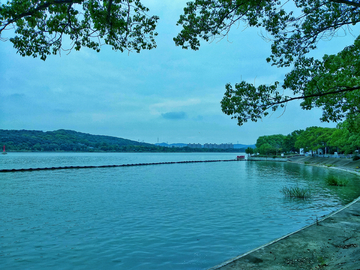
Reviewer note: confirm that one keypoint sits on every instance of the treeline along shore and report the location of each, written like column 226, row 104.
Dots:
column 343, row 139
column 73, row 141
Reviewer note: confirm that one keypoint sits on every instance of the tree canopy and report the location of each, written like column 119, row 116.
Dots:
column 296, row 27
column 344, row 139
column 314, row 138
column 41, row 26
column 270, row 144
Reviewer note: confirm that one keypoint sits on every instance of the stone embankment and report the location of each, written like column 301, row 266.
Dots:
column 267, row 159
column 331, row 243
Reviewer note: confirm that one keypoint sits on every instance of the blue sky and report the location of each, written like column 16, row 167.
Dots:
column 167, row 94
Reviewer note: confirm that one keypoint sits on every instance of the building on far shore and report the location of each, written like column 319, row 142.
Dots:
column 212, row 145
column 194, row 145
column 219, row 146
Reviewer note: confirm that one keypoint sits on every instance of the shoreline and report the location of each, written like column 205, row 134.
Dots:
column 330, row 243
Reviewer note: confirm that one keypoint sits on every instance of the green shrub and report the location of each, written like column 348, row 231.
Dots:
column 296, row 192
column 356, row 157
column 334, row 181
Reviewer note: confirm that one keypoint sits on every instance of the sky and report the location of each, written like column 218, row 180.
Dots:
column 163, row 95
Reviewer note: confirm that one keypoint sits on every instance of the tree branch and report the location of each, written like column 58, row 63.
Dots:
column 41, row 7
column 109, row 10
column 318, row 95
column 128, row 21
column 346, row 2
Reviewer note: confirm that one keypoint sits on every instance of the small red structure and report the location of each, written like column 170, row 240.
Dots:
column 240, row 157
column 4, row 152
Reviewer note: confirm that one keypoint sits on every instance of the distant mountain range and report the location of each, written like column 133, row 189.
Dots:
column 72, row 141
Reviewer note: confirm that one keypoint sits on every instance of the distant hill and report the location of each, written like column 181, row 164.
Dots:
column 65, row 140
column 72, row 141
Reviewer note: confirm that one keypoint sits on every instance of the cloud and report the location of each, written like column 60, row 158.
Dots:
column 179, row 105
column 174, row 115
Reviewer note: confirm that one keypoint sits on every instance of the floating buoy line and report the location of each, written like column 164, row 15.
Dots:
column 110, row 166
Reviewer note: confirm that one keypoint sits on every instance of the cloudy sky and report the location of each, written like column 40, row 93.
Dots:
column 164, row 95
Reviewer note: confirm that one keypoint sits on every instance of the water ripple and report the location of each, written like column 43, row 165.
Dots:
column 180, row 216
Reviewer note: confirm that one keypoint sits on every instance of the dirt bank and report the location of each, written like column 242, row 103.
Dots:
column 332, row 243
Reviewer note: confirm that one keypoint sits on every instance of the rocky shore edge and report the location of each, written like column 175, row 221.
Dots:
column 331, row 243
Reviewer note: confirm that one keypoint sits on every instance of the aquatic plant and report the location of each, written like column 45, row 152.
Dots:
column 296, row 192
column 334, row 181
column 322, row 262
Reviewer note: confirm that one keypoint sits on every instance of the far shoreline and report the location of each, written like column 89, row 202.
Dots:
column 330, row 243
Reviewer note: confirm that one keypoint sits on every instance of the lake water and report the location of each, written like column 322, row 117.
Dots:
column 174, row 216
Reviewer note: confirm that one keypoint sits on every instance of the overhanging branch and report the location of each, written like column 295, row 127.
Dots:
column 347, row 2
column 317, row 95
column 109, row 11
column 31, row 11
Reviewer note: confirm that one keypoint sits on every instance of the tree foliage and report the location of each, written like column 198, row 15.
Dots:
column 290, row 140
column 346, row 137
column 331, row 83
column 41, row 26
column 271, row 144
column 295, row 27
column 314, row 138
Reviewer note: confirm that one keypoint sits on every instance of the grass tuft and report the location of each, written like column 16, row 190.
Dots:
column 329, row 165
column 296, row 192
column 334, row 181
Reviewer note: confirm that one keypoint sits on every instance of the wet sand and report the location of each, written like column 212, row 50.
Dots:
column 331, row 243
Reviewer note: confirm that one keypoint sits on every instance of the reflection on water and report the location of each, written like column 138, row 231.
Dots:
column 311, row 177
column 179, row 216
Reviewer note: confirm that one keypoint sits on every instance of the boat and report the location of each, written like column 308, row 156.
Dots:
column 4, row 152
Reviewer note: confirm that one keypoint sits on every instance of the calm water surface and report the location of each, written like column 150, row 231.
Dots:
column 176, row 216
